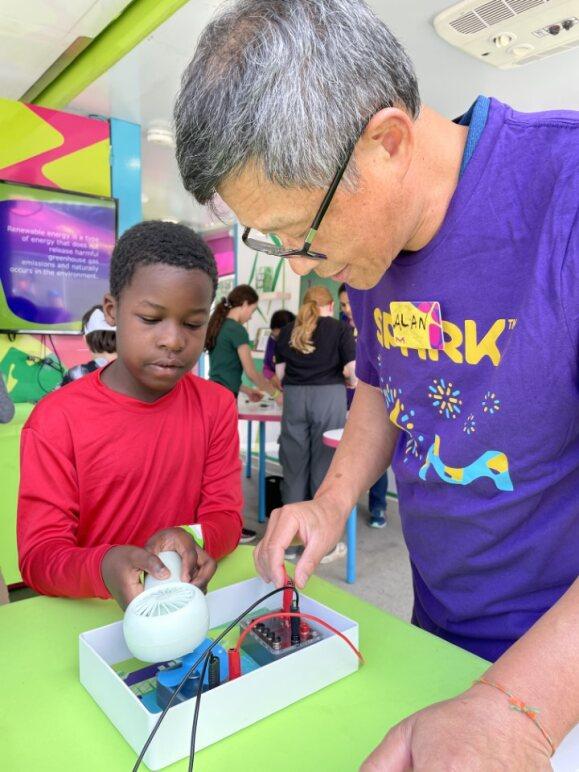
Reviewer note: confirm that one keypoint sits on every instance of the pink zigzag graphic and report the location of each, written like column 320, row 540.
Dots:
column 77, row 132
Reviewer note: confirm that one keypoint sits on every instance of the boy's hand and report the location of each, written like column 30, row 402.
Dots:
column 197, row 567
column 121, row 571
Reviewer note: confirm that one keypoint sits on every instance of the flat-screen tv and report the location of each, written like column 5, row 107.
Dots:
column 55, row 253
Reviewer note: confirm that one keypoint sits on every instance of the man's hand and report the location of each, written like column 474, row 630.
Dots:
column 254, row 395
column 196, row 565
column 318, row 524
column 121, row 570
column 474, row 732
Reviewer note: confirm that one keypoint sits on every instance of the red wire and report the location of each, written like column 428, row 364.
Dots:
column 277, row 614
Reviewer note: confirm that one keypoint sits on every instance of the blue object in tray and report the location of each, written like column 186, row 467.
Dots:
column 168, row 679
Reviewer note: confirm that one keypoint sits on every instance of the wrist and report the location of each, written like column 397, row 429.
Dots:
column 195, row 531
column 334, row 501
column 520, row 722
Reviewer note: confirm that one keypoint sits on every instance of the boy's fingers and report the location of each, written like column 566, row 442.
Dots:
column 127, row 593
column 189, row 564
column 152, row 564
column 204, row 574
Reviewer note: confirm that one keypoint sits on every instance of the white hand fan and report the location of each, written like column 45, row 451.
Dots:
column 168, row 619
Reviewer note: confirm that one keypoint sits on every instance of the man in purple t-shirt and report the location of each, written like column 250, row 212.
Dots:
column 459, row 241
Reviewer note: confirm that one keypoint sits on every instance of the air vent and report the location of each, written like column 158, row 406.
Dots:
column 520, row 6
column 508, row 33
column 492, row 13
column 468, row 24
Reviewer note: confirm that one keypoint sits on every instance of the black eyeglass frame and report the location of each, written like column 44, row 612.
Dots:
column 305, row 251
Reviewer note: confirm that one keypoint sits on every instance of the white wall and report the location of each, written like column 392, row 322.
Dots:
column 288, row 282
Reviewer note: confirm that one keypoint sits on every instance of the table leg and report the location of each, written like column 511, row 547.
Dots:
column 248, row 456
column 261, row 505
column 351, row 540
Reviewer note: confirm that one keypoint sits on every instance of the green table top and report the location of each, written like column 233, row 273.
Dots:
column 49, row 722
column 9, row 477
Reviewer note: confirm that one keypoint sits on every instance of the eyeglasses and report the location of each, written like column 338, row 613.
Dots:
column 278, row 251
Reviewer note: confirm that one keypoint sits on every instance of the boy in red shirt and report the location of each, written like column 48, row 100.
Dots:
column 141, row 456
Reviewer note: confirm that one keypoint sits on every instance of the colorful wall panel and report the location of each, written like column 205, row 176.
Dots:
column 55, row 149
column 126, row 172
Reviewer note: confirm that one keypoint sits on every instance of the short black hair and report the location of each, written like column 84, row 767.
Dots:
column 157, row 242
column 99, row 341
column 342, row 288
column 280, row 318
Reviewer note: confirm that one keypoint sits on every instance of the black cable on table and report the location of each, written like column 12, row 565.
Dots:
column 61, row 367
column 196, row 717
column 204, row 656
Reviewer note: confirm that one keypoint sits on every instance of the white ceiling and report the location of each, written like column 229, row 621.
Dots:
column 142, row 86
column 34, row 33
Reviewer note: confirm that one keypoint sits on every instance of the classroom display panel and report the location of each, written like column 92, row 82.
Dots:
column 55, row 253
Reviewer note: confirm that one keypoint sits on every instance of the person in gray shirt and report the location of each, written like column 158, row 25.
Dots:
column 6, row 404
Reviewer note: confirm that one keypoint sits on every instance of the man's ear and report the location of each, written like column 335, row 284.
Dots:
column 110, row 306
column 390, row 131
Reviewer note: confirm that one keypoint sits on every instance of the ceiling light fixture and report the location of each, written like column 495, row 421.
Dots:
column 160, row 133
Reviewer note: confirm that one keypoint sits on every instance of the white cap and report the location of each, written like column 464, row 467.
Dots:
column 98, row 323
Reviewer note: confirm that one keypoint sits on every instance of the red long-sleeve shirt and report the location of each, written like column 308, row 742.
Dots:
column 100, row 469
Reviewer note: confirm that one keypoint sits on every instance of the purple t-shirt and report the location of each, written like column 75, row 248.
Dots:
column 487, row 463
column 269, row 358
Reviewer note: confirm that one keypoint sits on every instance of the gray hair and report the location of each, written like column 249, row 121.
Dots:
column 289, row 85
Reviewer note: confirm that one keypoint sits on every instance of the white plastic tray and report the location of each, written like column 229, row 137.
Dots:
column 234, row 704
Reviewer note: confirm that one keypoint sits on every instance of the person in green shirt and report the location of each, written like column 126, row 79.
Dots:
column 227, row 343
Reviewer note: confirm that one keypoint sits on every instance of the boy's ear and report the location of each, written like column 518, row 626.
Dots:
column 110, row 309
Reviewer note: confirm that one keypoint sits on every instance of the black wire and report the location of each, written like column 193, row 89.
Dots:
column 40, row 363
column 60, row 365
column 38, row 371
column 44, row 362
column 205, row 656
column 196, row 717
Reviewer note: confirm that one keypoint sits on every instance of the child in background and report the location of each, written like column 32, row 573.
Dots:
column 6, row 404
column 377, row 493
column 100, row 338
column 279, row 319
column 140, row 456
column 230, row 355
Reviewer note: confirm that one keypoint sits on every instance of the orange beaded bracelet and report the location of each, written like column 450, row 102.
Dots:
column 517, row 704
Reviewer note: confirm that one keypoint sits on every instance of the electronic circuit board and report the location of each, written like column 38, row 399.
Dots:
column 266, row 642
column 271, row 640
